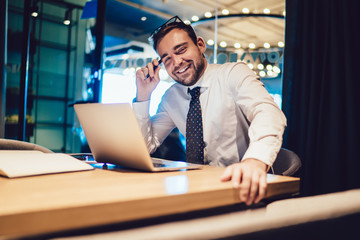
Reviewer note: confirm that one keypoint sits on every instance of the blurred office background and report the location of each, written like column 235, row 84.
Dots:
column 63, row 59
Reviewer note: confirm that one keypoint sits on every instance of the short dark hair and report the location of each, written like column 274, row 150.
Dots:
column 155, row 38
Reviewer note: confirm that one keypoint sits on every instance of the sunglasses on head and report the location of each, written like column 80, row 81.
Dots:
column 171, row 20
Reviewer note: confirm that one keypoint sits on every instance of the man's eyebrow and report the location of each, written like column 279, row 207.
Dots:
column 180, row 45
column 175, row 48
column 164, row 55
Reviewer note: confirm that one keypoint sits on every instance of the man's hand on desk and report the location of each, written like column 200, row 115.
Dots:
column 249, row 177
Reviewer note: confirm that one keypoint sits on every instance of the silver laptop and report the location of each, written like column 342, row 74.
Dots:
column 114, row 136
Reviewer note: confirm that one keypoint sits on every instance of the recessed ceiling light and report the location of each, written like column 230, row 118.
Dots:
column 245, row 10
column 208, row 14
column 223, row 44
column 237, row 45
column 210, row 42
column 225, row 11
column 276, row 69
column 195, row 18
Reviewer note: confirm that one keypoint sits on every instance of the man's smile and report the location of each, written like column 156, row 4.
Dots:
column 184, row 69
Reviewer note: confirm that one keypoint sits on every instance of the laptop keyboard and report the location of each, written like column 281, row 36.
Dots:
column 168, row 164
column 160, row 163
column 156, row 164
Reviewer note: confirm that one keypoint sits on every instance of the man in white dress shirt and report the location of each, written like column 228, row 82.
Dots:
column 242, row 125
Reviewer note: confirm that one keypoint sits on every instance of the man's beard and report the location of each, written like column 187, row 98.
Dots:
column 198, row 70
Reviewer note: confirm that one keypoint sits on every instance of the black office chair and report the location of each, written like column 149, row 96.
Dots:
column 9, row 144
column 287, row 163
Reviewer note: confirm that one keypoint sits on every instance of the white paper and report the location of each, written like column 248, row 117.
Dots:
column 27, row 163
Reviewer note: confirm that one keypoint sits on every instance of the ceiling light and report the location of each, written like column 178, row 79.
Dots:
column 260, row 66
column 269, row 67
column 210, row 42
column 195, row 18
column 252, row 45
column 281, row 44
column 143, row 19
column 223, row 44
column 284, row 13
column 237, row 45
column 262, row 74
column 67, row 19
column 270, row 73
column 267, row 11
column 266, row 45
column 245, row 10
column 276, row 69
column 208, row 14
column 225, row 12
column 250, row 65
column 187, row 22
column 35, row 12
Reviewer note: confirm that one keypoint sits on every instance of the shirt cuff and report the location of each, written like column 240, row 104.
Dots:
column 141, row 109
column 266, row 154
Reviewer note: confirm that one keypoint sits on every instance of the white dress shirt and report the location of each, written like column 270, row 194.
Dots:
column 240, row 118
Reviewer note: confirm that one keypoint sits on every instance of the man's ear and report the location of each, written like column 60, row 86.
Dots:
column 201, row 44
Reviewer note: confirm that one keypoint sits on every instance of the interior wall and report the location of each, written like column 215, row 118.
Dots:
column 57, row 54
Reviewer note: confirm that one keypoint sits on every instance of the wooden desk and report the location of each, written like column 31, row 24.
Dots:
column 58, row 202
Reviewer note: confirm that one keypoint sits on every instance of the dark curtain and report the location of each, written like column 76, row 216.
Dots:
column 321, row 92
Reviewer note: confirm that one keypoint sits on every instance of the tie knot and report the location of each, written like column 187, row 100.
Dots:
column 195, row 92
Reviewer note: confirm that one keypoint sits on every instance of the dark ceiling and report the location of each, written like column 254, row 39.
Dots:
column 123, row 20
column 123, row 23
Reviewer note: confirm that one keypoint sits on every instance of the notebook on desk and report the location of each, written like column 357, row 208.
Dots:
column 23, row 163
column 114, row 136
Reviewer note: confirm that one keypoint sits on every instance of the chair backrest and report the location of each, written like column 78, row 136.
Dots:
column 287, row 163
column 9, row 144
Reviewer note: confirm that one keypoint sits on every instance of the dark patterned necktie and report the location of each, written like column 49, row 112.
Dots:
column 194, row 129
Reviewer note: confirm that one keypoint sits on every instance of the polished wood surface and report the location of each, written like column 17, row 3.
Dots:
column 57, row 202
